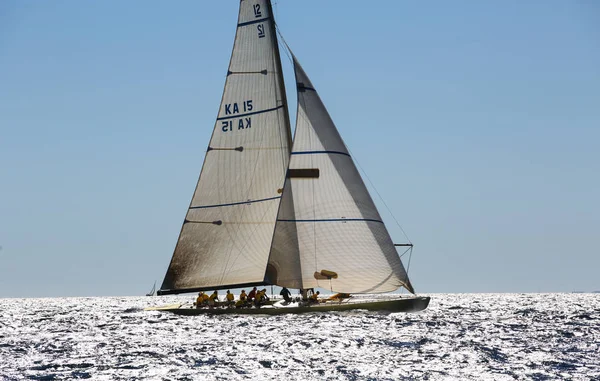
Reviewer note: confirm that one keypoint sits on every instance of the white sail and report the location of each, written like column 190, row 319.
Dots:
column 227, row 234
column 329, row 233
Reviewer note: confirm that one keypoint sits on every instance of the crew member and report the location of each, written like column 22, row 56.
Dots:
column 199, row 299
column 314, row 298
column 259, row 297
column 252, row 294
column 242, row 301
column 229, row 298
column 213, row 298
column 286, row 294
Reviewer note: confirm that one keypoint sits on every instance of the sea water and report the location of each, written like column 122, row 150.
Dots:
column 459, row 337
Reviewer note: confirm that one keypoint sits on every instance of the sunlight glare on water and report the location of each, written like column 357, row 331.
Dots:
column 460, row 336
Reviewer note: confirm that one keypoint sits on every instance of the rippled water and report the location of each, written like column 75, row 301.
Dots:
column 460, row 336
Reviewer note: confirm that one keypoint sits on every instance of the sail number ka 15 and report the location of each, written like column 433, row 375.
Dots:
column 232, row 109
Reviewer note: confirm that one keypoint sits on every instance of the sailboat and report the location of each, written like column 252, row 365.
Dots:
column 153, row 291
column 272, row 209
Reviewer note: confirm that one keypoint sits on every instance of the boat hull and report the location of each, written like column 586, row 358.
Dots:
column 396, row 305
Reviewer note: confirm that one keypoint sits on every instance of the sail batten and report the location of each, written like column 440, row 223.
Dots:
column 250, row 113
column 253, row 22
column 235, row 203
column 335, row 220
column 319, row 152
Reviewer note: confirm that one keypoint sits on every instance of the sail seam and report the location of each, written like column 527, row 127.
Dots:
column 235, row 203
column 249, row 113
column 253, row 21
column 317, row 152
column 334, row 220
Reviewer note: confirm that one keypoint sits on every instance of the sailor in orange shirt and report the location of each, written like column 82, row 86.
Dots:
column 213, row 299
column 314, row 298
column 204, row 298
column 242, row 301
column 229, row 297
column 259, row 297
column 199, row 299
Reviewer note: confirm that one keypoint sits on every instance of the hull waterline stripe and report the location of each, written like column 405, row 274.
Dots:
column 316, row 152
column 253, row 21
column 335, row 220
column 249, row 113
column 234, row 203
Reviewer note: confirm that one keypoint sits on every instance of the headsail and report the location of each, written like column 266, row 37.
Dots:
column 330, row 229
column 227, row 234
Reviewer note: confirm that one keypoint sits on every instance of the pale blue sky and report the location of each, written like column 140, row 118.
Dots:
column 478, row 123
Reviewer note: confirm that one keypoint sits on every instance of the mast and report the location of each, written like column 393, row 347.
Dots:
column 286, row 204
column 280, row 71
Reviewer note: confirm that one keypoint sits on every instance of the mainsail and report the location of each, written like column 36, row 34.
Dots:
column 329, row 233
column 226, row 237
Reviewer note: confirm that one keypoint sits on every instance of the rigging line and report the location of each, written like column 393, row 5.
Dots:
column 288, row 52
column 405, row 251
column 408, row 265
column 287, row 49
column 378, row 194
column 276, row 63
column 288, row 130
column 279, row 132
column 409, row 258
column 276, row 9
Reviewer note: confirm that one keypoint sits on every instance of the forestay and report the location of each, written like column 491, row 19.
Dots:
column 328, row 220
column 227, row 234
